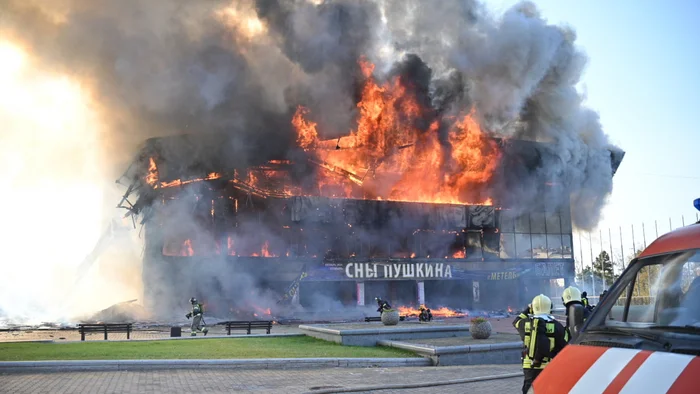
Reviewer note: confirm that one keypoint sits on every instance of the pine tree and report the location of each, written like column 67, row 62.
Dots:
column 603, row 267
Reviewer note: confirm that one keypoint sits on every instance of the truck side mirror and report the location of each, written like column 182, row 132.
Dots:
column 575, row 319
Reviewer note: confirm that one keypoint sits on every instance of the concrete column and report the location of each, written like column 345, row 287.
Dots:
column 421, row 292
column 360, row 293
column 476, row 294
column 295, row 297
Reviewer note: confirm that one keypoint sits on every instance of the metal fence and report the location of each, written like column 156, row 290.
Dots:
column 622, row 243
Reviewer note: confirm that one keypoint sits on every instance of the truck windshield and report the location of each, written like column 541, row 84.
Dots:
column 655, row 292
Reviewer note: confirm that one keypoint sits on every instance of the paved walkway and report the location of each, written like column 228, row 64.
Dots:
column 503, row 325
column 261, row 381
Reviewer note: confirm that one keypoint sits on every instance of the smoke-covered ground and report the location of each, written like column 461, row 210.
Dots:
column 84, row 82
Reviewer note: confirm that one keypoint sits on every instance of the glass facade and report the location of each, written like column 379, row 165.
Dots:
column 536, row 235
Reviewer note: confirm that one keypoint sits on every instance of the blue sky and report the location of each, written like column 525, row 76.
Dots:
column 643, row 78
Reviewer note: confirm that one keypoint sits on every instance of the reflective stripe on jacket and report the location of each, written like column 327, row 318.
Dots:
column 543, row 339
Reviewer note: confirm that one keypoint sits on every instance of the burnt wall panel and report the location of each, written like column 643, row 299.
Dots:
column 447, row 217
column 474, row 245
column 507, row 250
column 482, row 216
column 492, row 244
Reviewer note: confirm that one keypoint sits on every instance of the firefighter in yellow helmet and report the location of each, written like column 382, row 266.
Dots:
column 572, row 295
column 543, row 337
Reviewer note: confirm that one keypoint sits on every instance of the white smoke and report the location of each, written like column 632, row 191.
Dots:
column 53, row 193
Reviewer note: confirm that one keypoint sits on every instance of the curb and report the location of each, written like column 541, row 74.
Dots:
column 437, row 350
column 384, row 329
column 417, row 385
column 29, row 341
column 150, row 365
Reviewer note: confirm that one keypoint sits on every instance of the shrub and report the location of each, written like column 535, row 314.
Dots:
column 477, row 320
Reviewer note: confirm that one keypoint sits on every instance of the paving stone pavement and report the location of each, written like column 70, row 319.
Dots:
column 503, row 325
column 260, row 381
column 502, row 386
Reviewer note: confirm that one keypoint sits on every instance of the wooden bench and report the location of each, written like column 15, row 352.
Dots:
column 377, row 318
column 105, row 328
column 247, row 325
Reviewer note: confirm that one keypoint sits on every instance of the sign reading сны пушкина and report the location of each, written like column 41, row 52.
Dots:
column 397, row 271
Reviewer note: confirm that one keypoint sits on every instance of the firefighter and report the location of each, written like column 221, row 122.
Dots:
column 523, row 315
column 383, row 305
column 584, row 300
column 572, row 295
column 425, row 315
column 196, row 315
column 543, row 337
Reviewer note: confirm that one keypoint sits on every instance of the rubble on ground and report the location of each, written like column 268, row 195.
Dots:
column 123, row 312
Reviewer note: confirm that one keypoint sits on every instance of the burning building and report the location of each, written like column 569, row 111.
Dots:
column 414, row 150
column 411, row 206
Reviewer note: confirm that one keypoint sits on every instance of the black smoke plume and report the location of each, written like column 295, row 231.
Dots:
column 234, row 72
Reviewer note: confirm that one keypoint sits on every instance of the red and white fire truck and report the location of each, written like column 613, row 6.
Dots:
column 644, row 335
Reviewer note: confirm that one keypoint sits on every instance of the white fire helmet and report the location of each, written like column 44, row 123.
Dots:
column 541, row 305
column 571, row 294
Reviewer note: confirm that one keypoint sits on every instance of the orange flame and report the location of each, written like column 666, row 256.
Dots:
column 306, row 130
column 187, row 248
column 408, row 311
column 263, row 311
column 439, row 312
column 266, row 250
column 460, row 254
column 390, row 157
column 152, row 176
column 231, row 250
column 446, row 312
column 179, row 182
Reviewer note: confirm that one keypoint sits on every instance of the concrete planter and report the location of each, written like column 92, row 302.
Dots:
column 480, row 330
column 390, row 317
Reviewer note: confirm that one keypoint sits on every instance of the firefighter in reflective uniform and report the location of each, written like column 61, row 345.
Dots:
column 572, row 295
column 584, row 300
column 196, row 315
column 523, row 315
column 543, row 337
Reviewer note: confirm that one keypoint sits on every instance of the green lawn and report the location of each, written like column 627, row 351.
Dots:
column 290, row 347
